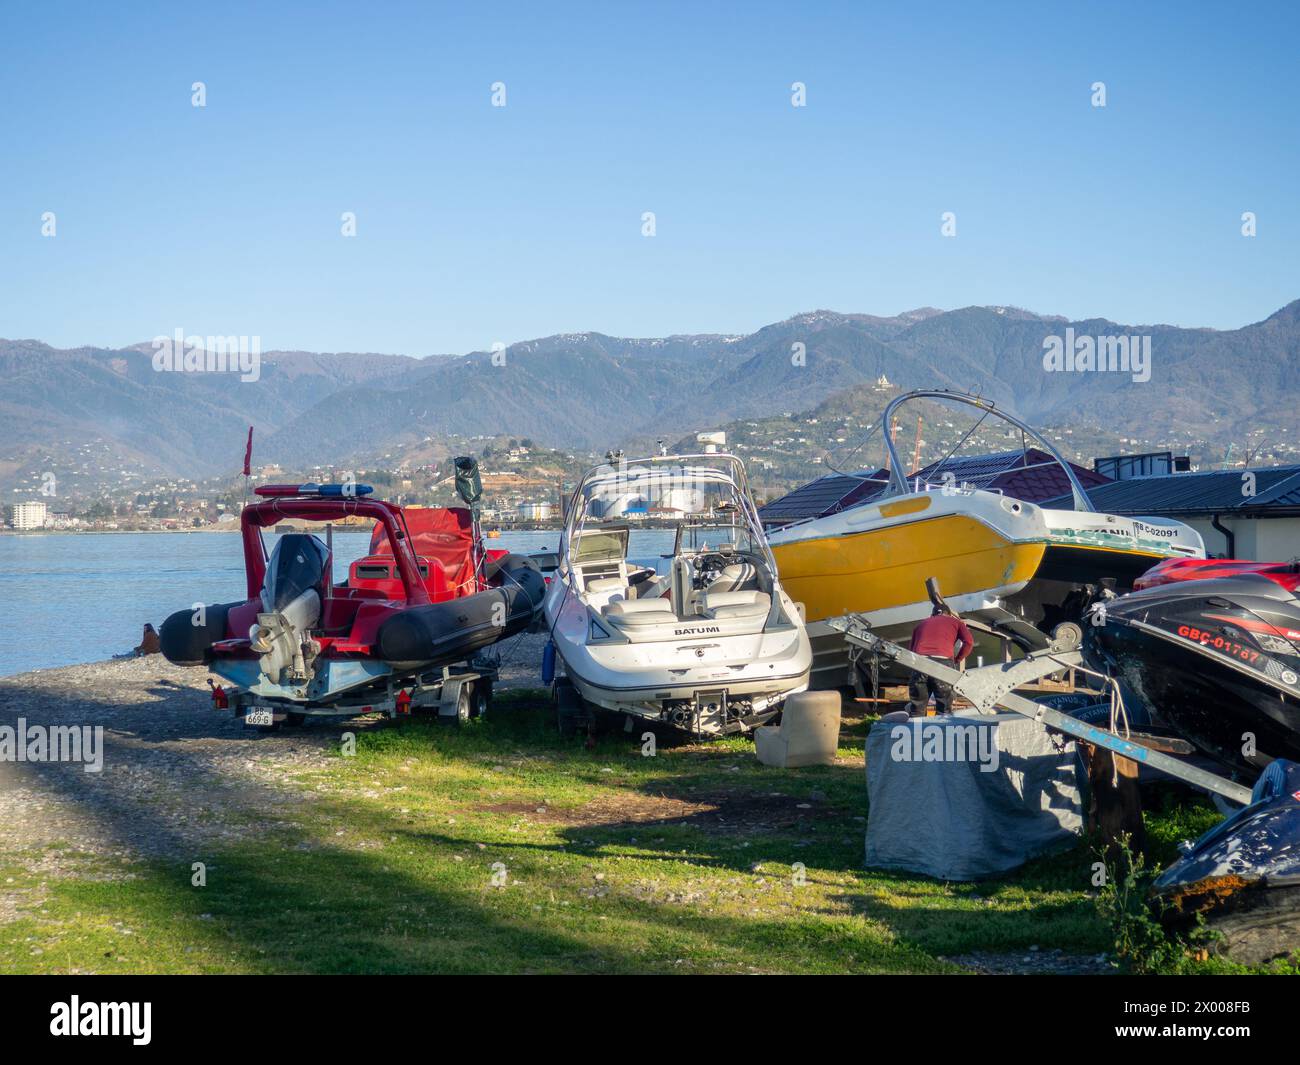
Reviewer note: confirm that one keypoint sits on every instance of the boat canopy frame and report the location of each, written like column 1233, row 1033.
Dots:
column 258, row 516
column 898, row 480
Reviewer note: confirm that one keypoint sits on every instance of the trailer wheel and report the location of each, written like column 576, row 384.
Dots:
column 482, row 698
column 570, row 713
column 464, row 703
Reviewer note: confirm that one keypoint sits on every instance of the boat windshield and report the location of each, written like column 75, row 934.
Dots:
column 701, row 537
column 655, row 490
column 705, row 495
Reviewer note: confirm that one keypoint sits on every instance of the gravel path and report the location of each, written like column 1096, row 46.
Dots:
column 178, row 776
column 1035, row 962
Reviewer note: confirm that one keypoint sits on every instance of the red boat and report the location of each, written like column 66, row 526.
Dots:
column 426, row 595
column 1286, row 574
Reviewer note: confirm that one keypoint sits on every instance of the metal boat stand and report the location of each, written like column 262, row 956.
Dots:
column 992, row 687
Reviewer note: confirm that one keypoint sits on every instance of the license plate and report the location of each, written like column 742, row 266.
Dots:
column 253, row 716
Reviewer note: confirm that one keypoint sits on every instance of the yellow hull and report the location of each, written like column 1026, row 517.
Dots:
column 881, row 568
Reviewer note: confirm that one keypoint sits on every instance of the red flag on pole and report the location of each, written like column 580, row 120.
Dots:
column 248, row 454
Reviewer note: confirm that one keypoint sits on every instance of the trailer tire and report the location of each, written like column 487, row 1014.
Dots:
column 464, row 704
column 570, row 712
column 481, row 701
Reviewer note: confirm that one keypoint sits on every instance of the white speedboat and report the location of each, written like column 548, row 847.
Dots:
column 707, row 640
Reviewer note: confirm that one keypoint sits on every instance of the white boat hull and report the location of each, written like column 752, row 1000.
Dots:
column 662, row 680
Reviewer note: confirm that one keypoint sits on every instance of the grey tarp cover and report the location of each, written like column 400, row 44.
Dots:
column 947, row 818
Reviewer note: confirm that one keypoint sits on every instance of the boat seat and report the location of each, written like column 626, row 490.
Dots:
column 651, row 589
column 737, row 604
column 809, row 732
column 605, row 584
column 738, row 576
column 634, row 612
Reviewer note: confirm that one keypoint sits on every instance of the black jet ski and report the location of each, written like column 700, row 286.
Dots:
column 1217, row 660
column 1243, row 876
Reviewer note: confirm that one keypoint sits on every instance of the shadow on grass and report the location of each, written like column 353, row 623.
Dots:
column 389, row 898
column 288, row 901
column 736, row 815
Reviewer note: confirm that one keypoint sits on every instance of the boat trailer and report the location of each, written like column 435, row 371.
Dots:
column 991, row 687
column 455, row 695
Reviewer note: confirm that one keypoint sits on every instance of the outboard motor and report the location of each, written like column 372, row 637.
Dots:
column 291, row 607
column 1244, row 874
column 469, row 485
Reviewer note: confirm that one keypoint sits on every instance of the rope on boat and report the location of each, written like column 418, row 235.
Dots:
column 1118, row 711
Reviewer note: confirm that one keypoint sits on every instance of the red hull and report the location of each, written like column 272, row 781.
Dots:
column 1171, row 571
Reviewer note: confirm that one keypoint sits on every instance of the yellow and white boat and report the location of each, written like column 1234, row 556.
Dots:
column 1012, row 568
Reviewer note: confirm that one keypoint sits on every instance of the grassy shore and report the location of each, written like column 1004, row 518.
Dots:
column 499, row 847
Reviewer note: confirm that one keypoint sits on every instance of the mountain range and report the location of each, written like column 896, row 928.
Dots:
column 588, row 391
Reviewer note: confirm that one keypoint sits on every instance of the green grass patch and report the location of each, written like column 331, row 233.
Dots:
column 500, row 847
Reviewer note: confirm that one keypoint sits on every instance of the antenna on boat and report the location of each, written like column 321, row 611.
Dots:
column 248, row 463
column 329, row 547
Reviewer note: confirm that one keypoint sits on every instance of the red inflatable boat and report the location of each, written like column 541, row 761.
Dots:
column 426, row 595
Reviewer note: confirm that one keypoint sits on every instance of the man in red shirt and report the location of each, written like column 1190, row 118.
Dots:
column 945, row 638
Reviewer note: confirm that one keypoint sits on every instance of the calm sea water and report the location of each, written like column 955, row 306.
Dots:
column 67, row 598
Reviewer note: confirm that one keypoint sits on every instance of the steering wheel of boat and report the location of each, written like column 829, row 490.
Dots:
column 709, row 564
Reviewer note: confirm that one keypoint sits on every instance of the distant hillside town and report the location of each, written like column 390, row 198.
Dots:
column 523, row 486
column 820, row 456
column 100, row 428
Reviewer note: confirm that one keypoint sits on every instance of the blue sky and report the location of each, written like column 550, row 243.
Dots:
column 478, row 224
